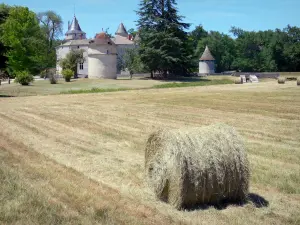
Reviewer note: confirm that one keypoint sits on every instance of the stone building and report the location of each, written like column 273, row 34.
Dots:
column 101, row 52
column 206, row 63
column 102, row 57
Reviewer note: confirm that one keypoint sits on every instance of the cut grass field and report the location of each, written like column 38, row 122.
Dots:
column 79, row 159
column 43, row 87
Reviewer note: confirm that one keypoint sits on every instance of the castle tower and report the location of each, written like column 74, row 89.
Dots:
column 123, row 42
column 121, row 31
column 102, row 57
column 207, row 63
column 74, row 31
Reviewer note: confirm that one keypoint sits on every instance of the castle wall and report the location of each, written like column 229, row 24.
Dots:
column 61, row 53
column 206, row 67
column 102, row 61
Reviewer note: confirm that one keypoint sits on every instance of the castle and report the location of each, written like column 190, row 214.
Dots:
column 101, row 53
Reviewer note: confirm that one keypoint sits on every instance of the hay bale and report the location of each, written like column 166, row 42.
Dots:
column 298, row 81
column 238, row 80
column 189, row 167
column 281, row 80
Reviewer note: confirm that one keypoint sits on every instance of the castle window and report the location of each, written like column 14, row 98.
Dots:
column 81, row 66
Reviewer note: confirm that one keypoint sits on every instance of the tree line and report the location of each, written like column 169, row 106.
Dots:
column 166, row 47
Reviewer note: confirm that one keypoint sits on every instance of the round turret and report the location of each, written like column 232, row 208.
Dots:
column 102, row 57
column 207, row 63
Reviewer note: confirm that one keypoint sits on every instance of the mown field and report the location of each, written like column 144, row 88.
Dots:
column 79, row 159
column 43, row 87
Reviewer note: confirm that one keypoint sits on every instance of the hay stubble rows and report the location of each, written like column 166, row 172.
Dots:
column 102, row 137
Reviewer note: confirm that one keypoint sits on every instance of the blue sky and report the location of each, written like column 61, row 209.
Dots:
column 220, row 15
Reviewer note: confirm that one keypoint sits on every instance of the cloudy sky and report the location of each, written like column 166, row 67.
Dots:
column 219, row 15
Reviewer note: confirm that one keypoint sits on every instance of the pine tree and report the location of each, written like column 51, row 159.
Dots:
column 163, row 45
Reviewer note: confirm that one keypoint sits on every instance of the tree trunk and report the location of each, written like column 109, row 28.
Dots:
column 152, row 75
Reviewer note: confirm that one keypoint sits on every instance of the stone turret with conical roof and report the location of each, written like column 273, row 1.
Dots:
column 121, row 31
column 207, row 63
column 74, row 31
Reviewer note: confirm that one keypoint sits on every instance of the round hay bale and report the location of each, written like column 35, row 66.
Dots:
column 238, row 80
column 281, row 80
column 298, row 81
column 190, row 167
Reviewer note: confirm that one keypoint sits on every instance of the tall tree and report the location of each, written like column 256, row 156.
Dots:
column 23, row 36
column 4, row 12
column 197, row 34
column 52, row 27
column 163, row 37
column 221, row 46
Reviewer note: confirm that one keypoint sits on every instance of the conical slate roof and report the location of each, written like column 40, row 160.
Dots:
column 207, row 56
column 121, row 30
column 75, row 28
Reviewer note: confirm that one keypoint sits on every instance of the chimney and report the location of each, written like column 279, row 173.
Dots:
column 68, row 25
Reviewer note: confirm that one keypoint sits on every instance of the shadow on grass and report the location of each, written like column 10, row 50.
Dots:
column 256, row 200
column 178, row 79
column 6, row 96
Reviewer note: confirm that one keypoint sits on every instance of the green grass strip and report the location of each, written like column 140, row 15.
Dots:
column 194, row 84
column 167, row 85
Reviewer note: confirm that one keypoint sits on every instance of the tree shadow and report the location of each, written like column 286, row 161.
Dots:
column 6, row 96
column 178, row 79
column 255, row 199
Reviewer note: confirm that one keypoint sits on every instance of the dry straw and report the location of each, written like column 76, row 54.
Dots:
column 189, row 167
column 238, row 80
column 281, row 80
column 298, row 81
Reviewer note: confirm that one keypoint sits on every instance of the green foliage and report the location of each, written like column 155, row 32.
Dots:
column 132, row 62
column 194, row 84
column 163, row 44
column 71, row 60
column 68, row 74
column 168, row 85
column 4, row 13
column 95, row 90
column 262, row 51
column 222, row 47
column 23, row 37
column 23, row 78
column 51, row 26
column 132, row 32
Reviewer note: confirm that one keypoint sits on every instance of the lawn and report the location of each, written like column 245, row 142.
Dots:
column 79, row 159
column 43, row 87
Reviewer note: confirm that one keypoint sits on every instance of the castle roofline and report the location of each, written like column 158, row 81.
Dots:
column 74, row 27
column 121, row 30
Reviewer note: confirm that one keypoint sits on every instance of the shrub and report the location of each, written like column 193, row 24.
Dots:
column 52, row 78
column 43, row 74
column 298, row 81
column 23, row 78
column 281, row 80
column 68, row 74
column 188, row 167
